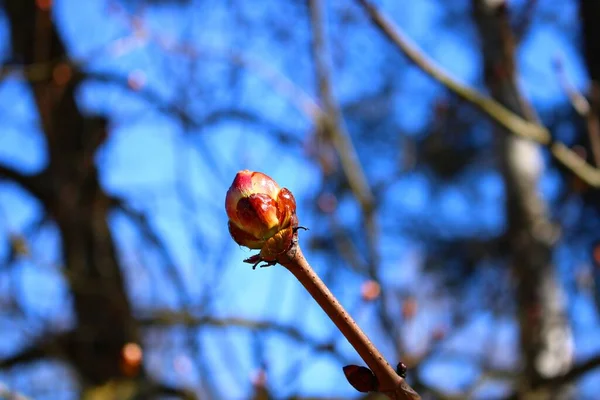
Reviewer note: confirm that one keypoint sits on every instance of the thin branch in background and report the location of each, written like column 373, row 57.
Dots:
column 334, row 125
column 33, row 184
column 334, row 130
column 278, row 82
column 174, row 318
column 593, row 125
column 8, row 394
column 525, row 20
column 345, row 247
column 576, row 371
column 578, row 100
column 142, row 222
column 42, row 71
column 491, row 108
column 583, row 108
column 166, row 390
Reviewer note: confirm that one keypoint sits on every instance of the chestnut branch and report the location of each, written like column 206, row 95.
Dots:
column 389, row 382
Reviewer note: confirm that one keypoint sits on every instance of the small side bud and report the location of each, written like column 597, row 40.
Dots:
column 361, row 378
column 401, row 369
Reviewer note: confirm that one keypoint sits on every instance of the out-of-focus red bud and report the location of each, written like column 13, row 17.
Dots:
column 131, row 359
column 259, row 378
column 261, row 214
column 596, row 254
column 409, row 308
column 438, row 333
column 327, row 202
column 370, row 290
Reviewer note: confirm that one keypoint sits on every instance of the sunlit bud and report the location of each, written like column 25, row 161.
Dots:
column 261, row 214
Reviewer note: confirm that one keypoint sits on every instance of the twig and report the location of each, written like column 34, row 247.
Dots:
column 332, row 119
column 578, row 100
column 593, row 124
column 495, row 110
column 500, row 114
column 526, row 20
column 390, row 383
column 583, row 108
column 335, row 130
column 173, row 318
column 31, row 183
column 575, row 372
column 143, row 224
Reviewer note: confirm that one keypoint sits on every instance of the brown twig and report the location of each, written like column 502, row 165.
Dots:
column 583, row 108
column 578, row 100
column 390, row 383
column 335, row 131
column 332, row 119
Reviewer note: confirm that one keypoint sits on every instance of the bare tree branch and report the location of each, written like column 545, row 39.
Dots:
column 577, row 371
column 332, row 121
column 494, row 110
column 525, row 19
column 143, row 224
column 29, row 354
column 583, row 108
column 334, row 130
column 30, row 183
column 9, row 394
column 169, row 318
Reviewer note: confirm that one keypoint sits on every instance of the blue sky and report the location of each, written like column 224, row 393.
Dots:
column 149, row 155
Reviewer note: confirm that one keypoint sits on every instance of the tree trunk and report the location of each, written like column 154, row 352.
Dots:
column 545, row 336
column 589, row 11
column 73, row 197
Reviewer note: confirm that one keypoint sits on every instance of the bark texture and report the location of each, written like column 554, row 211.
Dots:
column 545, row 336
